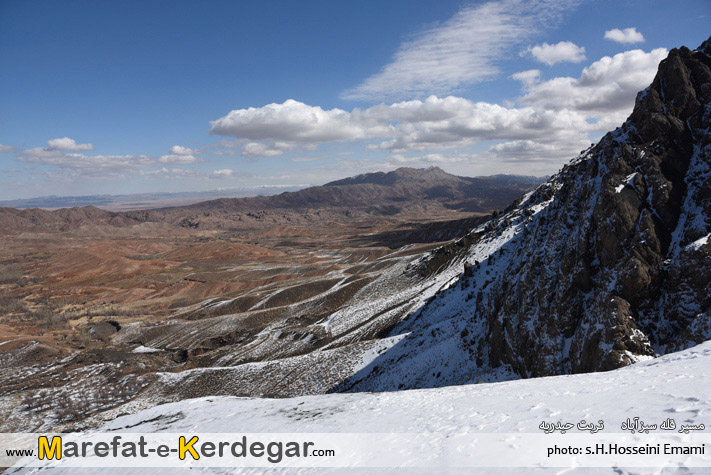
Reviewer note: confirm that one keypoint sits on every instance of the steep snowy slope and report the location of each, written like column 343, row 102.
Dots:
column 606, row 264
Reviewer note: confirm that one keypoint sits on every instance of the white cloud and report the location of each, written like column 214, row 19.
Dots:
column 170, row 173
column 535, row 155
column 409, row 125
column 67, row 162
column 179, row 150
column 461, row 51
column 69, row 145
column 181, row 159
column 529, row 150
column 626, row 36
column 462, row 122
column 6, row 148
column 86, row 165
column 257, row 149
column 40, row 153
column 607, row 86
column 551, row 121
column 527, row 78
column 179, row 155
column 565, row 51
column 221, row 174
column 290, row 122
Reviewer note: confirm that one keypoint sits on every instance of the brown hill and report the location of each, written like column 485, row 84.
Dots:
column 405, row 191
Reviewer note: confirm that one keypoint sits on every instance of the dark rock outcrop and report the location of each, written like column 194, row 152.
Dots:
column 607, row 263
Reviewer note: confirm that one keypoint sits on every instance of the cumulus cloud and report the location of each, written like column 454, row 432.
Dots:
column 86, row 165
column 626, row 36
column 565, row 51
column 72, row 163
column 530, row 150
column 222, row 174
column 527, row 78
column 170, row 173
column 552, row 120
column 179, row 155
column 530, row 154
column 179, row 150
column 181, row 159
column 69, row 145
column 257, row 149
column 461, row 51
column 462, row 122
column 62, row 153
column 291, row 121
column 409, row 125
column 552, row 112
column 608, row 85
column 40, row 153
column 6, row 148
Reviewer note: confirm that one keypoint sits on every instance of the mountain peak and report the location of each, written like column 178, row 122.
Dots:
column 430, row 175
column 679, row 93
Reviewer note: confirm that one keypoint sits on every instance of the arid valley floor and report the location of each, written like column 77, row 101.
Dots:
column 95, row 304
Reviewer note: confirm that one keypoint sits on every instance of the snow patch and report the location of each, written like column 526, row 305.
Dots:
column 698, row 244
column 146, row 349
column 629, row 181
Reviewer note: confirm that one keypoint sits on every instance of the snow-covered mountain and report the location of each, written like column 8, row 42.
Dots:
column 606, row 264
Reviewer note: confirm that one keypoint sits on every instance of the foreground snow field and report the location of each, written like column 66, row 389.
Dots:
column 677, row 385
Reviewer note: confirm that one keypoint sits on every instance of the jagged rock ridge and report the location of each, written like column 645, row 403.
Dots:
column 607, row 263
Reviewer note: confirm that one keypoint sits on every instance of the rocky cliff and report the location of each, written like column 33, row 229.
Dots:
column 607, row 263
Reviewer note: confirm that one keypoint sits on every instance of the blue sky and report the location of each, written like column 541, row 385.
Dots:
column 139, row 96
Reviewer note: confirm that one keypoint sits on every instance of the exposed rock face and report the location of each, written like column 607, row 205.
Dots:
column 607, row 263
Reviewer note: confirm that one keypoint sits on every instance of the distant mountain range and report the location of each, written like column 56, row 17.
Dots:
column 401, row 188
column 405, row 191
column 142, row 200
